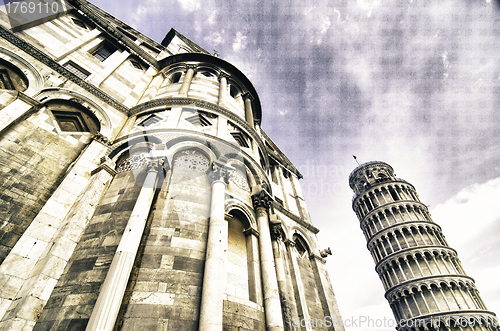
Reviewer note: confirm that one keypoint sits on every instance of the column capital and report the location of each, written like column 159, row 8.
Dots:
column 218, row 173
column 247, row 95
column 289, row 243
column 262, row 200
column 223, row 74
column 277, row 232
column 155, row 166
column 99, row 137
column 191, row 66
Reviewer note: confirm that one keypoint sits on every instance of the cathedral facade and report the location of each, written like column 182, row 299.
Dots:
column 138, row 190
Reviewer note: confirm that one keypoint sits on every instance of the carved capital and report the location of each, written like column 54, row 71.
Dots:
column 247, row 95
column 155, row 166
column 102, row 139
column 262, row 200
column 191, row 66
column 277, row 232
column 223, row 75
column 218, row 173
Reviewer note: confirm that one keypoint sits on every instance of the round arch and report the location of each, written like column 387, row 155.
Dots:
column 35, row 79
column 50, row 94
column 232, row 205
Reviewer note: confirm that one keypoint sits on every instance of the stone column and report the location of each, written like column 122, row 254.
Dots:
column 108, row 303
column 277, row 240
column 298, row 285
column 212, row 294
column 255, row 282
column 188, row 77
column 272, row 305
column 223, row 88
column 248, row 109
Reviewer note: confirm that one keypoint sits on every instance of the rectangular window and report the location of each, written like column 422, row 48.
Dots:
column 104, row 51
column 77, row 70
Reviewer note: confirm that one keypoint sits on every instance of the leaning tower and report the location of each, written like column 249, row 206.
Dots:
column 138, row 189
column 425, row 284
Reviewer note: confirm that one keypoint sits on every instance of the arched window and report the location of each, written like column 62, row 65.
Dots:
column 11, row 78
column 300, row 244
column 70, row 116
column 175, row 78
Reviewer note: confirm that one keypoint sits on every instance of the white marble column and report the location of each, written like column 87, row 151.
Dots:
column 108, row 303
column 300, row 297
column 272, row 305
column 188, row 77
column 222, row 88
column 277, row 241
column 248, row 109
column 212, row 294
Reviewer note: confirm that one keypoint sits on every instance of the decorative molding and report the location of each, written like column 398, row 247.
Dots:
column 45, row 59
column 208, row 106
column 296, row 218
column 106, row 165
column 262, row 200
column 251, row 232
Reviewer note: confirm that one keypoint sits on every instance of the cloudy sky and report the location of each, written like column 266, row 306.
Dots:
column 409, row 82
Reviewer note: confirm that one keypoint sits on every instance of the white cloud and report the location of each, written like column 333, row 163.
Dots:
column 470, row 222
column 190, row 5
column 240, row 42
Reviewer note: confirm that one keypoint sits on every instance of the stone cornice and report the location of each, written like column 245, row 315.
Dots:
column 279, row 156
column 45, row 59
column 296, row 218
column 427, row 281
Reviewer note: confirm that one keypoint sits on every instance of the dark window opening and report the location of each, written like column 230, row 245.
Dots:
column 70, row 121
column 136, row 64
column 199, row 119
column 77, row 70
column 175, row 78
column 150, row 120
column 104, row 51
column 393, row 194
column 11, row 77
column 300, row 245
column 5, row 81
column 233, row 91
column 240, row 139
column 79, row 23
column 73, row 117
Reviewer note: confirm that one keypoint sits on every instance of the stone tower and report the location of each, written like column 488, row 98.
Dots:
column 425, row 284
column 138, row 190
